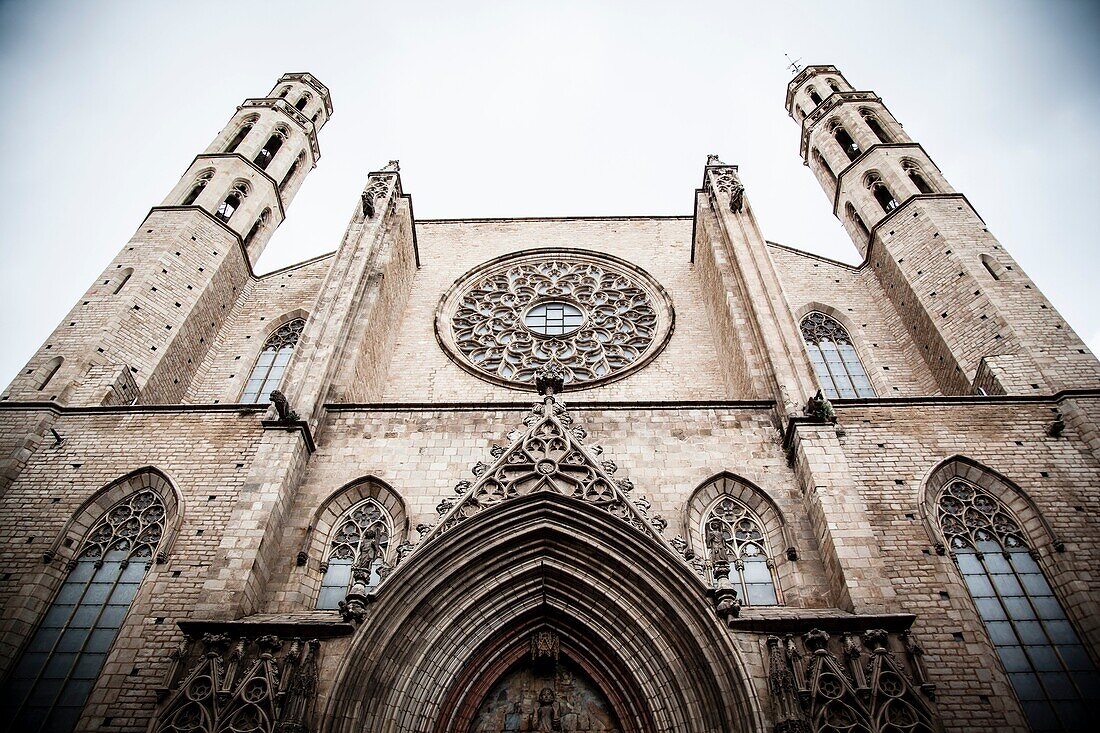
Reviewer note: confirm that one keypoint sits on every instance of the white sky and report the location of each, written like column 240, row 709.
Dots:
column 535, row 108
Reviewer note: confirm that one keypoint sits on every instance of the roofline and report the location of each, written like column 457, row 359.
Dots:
column 610, row 217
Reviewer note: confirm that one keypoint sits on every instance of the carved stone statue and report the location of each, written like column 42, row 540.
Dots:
column 393, row 165
column 820, row 408
column 737, row 198
column 712, row 159
column 716, row 543
column 547, row 716
column 550, row 379
column 282, row 406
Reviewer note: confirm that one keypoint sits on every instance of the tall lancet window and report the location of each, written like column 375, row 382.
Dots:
column 362, row 535
column 734, row 527
column 1046, row 662
column 50, row 684
column 272, row 361
column 839, row 370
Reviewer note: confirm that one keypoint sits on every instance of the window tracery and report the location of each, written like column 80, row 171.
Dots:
column 836, row 363
column 593, row 316
column 272, row 361
column 734, row 534
column 197, row 189
column 362, row 537
column 51, row 682
column 1041, row 652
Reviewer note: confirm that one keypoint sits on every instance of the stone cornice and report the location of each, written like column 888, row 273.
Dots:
column 804, row 76
column 309, row 79
column 256, row 168
column 573, row 405
column 827, row 105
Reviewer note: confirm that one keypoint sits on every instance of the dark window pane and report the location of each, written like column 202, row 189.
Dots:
column 101, row 640
column 1023, row 562
column 123, row 594
column 1007, row 585
column 1035, row 584
column 1049, row 607
column 1000, row 632
column 990, row 609
column 45, row 692
column 969, row 563
column 1058, row 686
column 63, row 719
column 761, row 594
column 1043, row 659
column 70, row 593
column 1075, row 657
column 73, row 640
column 1026, row 686
column 1031, row 632
column 1074, row 715
column 82, row 572
column 330, row 597
column 1061, row 632
column 44, row 640
column 1040, row 716
column 59, row 665
column 979, row 586
column 88, row 666
column 1019, row 608
column 112, row 616
column 97, row 593
column 57, row 616
column 1013, row 659
column 85, row 616
column 30, row 665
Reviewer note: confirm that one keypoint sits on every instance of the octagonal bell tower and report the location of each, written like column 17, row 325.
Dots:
column 981, row 324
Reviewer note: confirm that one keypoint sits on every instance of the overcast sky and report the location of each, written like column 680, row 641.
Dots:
column 531, row 109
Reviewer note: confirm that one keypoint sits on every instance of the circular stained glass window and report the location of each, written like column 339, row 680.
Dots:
column 554, row 318
column 595, row 316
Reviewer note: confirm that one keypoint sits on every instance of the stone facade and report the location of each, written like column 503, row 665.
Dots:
column 547, row 557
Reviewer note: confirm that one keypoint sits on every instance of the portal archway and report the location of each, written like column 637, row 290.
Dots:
column 459, row 613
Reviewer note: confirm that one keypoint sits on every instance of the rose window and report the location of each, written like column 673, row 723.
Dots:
column 596, row 316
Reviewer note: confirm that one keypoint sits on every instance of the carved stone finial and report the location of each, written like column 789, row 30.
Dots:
column 816, row 639
column 393, row 165
column 423, row 528
column 282, row 407
column 876, row 639
column 550, row 379
column 712, row 159
column 820, row 408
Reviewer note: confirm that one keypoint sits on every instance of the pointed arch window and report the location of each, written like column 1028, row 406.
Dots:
column 51, row 682
column 197, row 188
column 847, row 144
column 261, row 222
column 291, row 171
column 272, row 361
column 271, row 147
column 232, row 202
column 362, row 536
column 302, row 101
column 1047, row 664
column 882, row 194
column 836, row 363
column 875, row 126
column 242, row 133
column 741, row 533
column 824, row 165
column 916, row 175
column 814, row 96
column 857, row 220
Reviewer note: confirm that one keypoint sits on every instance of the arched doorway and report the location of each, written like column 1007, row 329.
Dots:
column 457, row 620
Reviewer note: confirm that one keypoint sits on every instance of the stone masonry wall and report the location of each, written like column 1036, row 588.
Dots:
column 892, row 449
column 687, row 368
column 854, row 296
column 264, row 304
column 206, row 455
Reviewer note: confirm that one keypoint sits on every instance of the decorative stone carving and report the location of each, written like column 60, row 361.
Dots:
column 819, row 408
column 727, row 183
column 1056, row 428
column 239, row 685
column 547, row 456
column 593, row 317
column 282, row 407
column 545, row 645
column 820, row 683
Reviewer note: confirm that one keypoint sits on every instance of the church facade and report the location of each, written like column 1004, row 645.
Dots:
column 630, row 474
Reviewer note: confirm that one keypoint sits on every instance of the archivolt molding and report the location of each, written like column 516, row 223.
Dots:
column 1037, row 530
column 645, row 628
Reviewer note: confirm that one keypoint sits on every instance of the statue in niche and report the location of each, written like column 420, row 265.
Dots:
column 716, row 543
column 547, row 716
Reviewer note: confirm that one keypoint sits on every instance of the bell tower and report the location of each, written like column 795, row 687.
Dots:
column 981, row 324
column 139, row 333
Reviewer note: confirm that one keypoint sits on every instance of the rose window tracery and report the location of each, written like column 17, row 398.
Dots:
column 595, row 316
